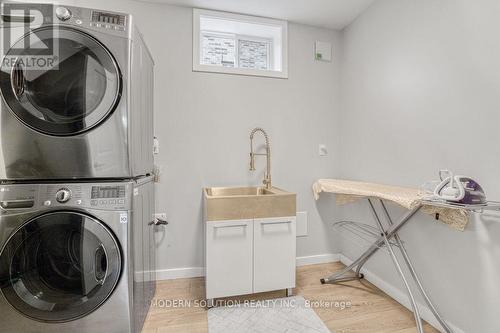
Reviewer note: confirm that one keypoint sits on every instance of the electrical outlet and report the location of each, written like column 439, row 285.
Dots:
column 156, row 146
column 157, row 172
column 322, row 150
column 301, row 224
column 161, row 216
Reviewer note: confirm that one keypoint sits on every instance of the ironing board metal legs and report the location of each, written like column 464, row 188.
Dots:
column 386, row 234
column 414, row 304
column 358, row 263
column 414, row 274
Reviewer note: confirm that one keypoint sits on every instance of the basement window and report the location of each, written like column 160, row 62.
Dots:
column 239, row 44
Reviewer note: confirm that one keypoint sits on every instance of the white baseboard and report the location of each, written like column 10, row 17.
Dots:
column 180, row 273
column 192, row 272
column 318, row 259
column 400, row 296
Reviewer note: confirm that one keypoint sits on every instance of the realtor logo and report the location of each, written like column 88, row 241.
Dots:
column 26, row 45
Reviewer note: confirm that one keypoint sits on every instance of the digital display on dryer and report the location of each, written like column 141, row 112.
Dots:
column 105, row 192
column 107, row 18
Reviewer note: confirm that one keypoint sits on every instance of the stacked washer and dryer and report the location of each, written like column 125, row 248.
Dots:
column 77, row 250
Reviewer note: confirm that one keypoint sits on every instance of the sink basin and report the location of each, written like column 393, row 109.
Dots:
column 236, row 203
column 237, row 191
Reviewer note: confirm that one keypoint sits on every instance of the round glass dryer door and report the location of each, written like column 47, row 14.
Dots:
column 60, row 81
column 59, row 267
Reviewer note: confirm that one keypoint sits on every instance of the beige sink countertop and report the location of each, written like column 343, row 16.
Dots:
column 237, row 203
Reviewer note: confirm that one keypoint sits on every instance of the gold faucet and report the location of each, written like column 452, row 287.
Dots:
column 267, row 175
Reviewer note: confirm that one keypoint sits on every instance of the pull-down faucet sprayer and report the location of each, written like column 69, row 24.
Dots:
column 267, row 175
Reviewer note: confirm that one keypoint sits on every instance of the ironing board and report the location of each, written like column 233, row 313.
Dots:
column 411, row 199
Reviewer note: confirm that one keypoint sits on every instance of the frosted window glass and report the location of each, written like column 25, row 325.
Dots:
column 239, row 44
column 253, row 54
column 218, row 51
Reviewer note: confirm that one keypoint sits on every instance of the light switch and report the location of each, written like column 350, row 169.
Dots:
column 322, row 150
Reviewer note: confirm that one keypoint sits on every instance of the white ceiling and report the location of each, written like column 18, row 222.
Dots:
column 333, row 14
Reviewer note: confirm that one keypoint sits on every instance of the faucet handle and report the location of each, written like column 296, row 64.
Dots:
column 252, row 162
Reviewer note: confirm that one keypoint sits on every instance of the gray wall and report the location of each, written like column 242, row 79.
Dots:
column 203, row 122
column 420, row 91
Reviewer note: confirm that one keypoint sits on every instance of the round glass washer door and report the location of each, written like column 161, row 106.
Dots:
column 59, row 266
column 65, row 83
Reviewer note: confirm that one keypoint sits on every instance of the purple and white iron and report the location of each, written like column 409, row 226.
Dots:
column 459, row 189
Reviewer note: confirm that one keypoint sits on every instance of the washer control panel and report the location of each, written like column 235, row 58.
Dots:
column 107, row 195
column 103, row 196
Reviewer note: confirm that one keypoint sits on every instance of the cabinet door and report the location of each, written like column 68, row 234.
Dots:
column 274, row 253
column 229, row 252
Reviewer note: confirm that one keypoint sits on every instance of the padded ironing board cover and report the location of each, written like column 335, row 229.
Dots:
column 349, row 191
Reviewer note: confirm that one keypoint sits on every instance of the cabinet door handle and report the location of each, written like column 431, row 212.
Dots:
column 218, row 226
column 275, row 222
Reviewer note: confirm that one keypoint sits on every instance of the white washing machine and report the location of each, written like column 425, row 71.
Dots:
column 76, row 89
column 76, row 257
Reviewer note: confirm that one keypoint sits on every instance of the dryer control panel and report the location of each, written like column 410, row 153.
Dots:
column 92, row 19
column 108, row 20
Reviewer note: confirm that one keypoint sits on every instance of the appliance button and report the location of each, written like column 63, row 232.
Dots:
column 107, row 26
column 78, row 202
column 121, row 201
column 47, row 203
column 78, row 22
column 93, row 202
column 112, row 202
column 103, row 202
column 98, row 25
column 63, row 195
column 63, row 13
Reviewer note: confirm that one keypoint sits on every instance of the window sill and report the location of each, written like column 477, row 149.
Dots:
column 240, row 71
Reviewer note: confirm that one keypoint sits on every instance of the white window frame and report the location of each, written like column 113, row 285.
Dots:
column 198, row 67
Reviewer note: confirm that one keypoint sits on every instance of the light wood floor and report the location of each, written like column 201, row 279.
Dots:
column 372, row 311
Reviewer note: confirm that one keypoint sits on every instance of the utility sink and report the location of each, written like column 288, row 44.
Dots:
column 236, row 203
